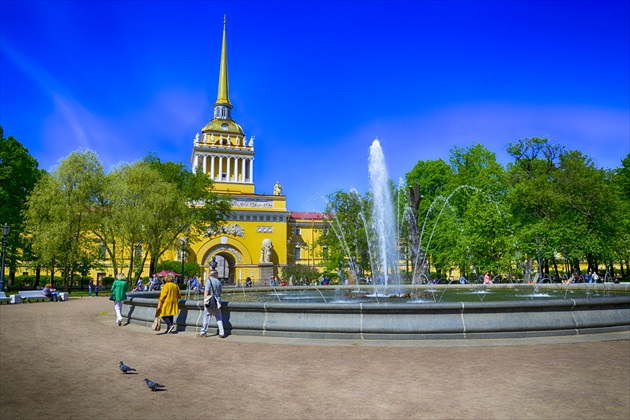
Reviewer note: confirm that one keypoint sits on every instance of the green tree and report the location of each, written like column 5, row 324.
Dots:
column 621, row 213
column 560, row 196
column 193, row 211
column 141, row 205
column 19, row 172
column 425, row 183
column 300, row 274
column 476, row 193
column 533, row 202
column 345, row 238
column 60, row 213
column 587, row 196
column 623, row 177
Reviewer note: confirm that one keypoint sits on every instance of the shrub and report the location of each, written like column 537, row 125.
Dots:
column 28, row 281
column 108, row 281
column 301, row 274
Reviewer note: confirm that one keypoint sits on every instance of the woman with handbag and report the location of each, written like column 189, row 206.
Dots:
column 168, row 303
column 119, row 295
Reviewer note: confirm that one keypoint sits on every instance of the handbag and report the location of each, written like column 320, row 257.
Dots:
column 157, row 324
column 111, row 297
column 208, row 302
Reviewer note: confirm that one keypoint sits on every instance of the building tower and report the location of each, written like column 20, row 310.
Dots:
column 223, row 152
column 252, row 242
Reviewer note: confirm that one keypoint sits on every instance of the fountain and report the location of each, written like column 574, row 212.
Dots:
column 392, row 310
column 386, row 259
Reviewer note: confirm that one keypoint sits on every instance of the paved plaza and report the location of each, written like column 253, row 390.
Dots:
column 60, row 360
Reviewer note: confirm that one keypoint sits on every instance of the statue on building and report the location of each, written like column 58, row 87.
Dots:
column 196, row 138
column 251, row 141
column 277, row 189
column 265, row 251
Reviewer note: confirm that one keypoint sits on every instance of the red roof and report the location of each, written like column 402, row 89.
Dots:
column 307, row 215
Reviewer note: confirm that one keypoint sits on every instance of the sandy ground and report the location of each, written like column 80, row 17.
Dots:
column 60, row 360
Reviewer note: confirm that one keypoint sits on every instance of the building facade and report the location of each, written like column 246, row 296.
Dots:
column 260, row 236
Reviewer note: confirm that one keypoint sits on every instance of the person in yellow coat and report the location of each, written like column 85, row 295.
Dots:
column 168, row 303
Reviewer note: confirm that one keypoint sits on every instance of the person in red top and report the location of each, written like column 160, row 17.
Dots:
column 486, row 278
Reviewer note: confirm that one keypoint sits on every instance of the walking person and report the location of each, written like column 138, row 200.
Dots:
column 168, row 303
column 90, row 288
column 119, row 295
column 212, row 295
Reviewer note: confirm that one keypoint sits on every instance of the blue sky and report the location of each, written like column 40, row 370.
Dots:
column 316, row 82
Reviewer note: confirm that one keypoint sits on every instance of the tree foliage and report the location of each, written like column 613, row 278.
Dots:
column 476, row 215
column 345, row 237
column 300, row 274
column 19, row 172
column 60, row 213
column 79, row 215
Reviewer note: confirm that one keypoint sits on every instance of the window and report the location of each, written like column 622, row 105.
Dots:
column 297, row 231
column 296, row 253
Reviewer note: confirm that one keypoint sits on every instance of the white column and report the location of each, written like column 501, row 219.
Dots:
column 195, row 162
column 251, row 170
column 220, row 168
column 243, row 161
column 203, row 163
column 229, row 167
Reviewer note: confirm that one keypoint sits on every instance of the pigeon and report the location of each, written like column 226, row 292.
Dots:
column 153, row 385
column 125, row 369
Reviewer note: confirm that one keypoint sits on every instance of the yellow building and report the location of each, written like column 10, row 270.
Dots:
column 261, row 235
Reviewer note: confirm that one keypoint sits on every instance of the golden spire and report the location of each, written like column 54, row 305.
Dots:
column 223, row 97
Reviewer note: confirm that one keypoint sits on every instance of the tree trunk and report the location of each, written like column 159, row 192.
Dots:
column 414, row 198
column 137, row 274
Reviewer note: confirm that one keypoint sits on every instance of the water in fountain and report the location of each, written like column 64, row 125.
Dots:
column 383, row 221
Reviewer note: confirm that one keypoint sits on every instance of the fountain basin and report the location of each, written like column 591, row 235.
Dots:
column 394, row 321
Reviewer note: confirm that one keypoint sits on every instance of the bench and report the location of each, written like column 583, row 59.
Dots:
column 27, row 295
column 4, row 298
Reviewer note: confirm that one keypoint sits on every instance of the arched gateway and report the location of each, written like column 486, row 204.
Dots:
column 231, row 255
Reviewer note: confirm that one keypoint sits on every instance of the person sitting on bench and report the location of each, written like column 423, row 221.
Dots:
column 51, row 293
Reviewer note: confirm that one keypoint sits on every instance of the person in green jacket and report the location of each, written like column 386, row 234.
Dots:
column 119, row 294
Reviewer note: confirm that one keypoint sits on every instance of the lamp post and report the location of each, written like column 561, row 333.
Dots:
column 5, row 232
column 183, row 245
column 538, row 250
